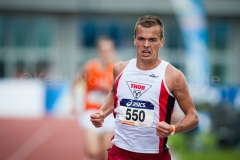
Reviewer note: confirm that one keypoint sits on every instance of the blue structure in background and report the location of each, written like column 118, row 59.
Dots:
column 53, row 93
column 191, row 18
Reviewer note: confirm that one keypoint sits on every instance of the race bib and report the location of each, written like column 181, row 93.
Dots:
column 96, row 97
column 136, row 112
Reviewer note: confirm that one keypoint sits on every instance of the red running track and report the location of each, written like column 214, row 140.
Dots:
column 40, row 139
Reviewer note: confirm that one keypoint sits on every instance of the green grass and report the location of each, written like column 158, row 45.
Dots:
column 200, row 147
column 215, row 155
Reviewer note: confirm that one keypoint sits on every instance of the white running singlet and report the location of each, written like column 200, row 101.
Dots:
column 142, row 100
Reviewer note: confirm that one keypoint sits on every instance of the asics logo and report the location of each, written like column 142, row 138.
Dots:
column 135, row 104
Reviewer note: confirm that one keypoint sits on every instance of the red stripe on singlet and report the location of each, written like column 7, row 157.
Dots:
column 163, row 98
column 115, row 95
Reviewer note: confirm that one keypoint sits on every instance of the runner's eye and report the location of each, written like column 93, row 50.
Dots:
column 153, row 40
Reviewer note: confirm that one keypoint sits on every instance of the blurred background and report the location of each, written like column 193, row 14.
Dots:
column 44, row 43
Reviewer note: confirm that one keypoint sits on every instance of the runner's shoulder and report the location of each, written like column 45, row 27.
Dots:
column 119, row 67
column 174, row 78
column 173, row 72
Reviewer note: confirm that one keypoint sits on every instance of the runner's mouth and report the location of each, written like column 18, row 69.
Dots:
column 146, row 53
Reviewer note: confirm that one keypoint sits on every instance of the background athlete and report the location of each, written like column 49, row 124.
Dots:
column 97, row 77
column 142, row 99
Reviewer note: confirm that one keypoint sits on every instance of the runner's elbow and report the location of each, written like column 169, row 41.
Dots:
column 195, row 120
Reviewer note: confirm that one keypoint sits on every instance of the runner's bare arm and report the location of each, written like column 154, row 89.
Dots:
column 178, row 86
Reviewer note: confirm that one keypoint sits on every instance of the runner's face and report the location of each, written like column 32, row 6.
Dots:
column 105, row 49
column 147, row 42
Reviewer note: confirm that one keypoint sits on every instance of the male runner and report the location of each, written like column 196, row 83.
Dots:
column 143, row 97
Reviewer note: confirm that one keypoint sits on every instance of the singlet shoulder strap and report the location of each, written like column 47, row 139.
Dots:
column 164, row 64
column 162, row 67
column 131, row 64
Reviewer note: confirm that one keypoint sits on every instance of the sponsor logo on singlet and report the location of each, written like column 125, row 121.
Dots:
column 136, row 104
column 153, row 76
column 137, row 89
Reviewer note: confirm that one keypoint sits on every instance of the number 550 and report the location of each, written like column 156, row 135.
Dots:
column 134, row 115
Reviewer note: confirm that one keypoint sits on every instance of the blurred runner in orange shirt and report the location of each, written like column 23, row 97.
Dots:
column 98, row 78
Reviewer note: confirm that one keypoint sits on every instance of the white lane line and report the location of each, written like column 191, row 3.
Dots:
column 33, row 142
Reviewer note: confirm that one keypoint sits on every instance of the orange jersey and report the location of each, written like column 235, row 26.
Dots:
column 98, row 84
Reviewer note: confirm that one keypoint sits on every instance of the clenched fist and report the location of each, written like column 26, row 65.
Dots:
column 97, row 119
column 163, row 129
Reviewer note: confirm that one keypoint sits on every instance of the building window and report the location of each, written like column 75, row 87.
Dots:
column 44, row 30
column 219, row 32
column 20, row 32
column 219, row 71
column 2, row 68
column 2, row 32
column 90, row 31
column 25, row 32
column 89, row 34
column 172, row 36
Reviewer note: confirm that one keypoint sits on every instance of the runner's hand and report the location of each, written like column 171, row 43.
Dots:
column 163, row 129
column 97, row 119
